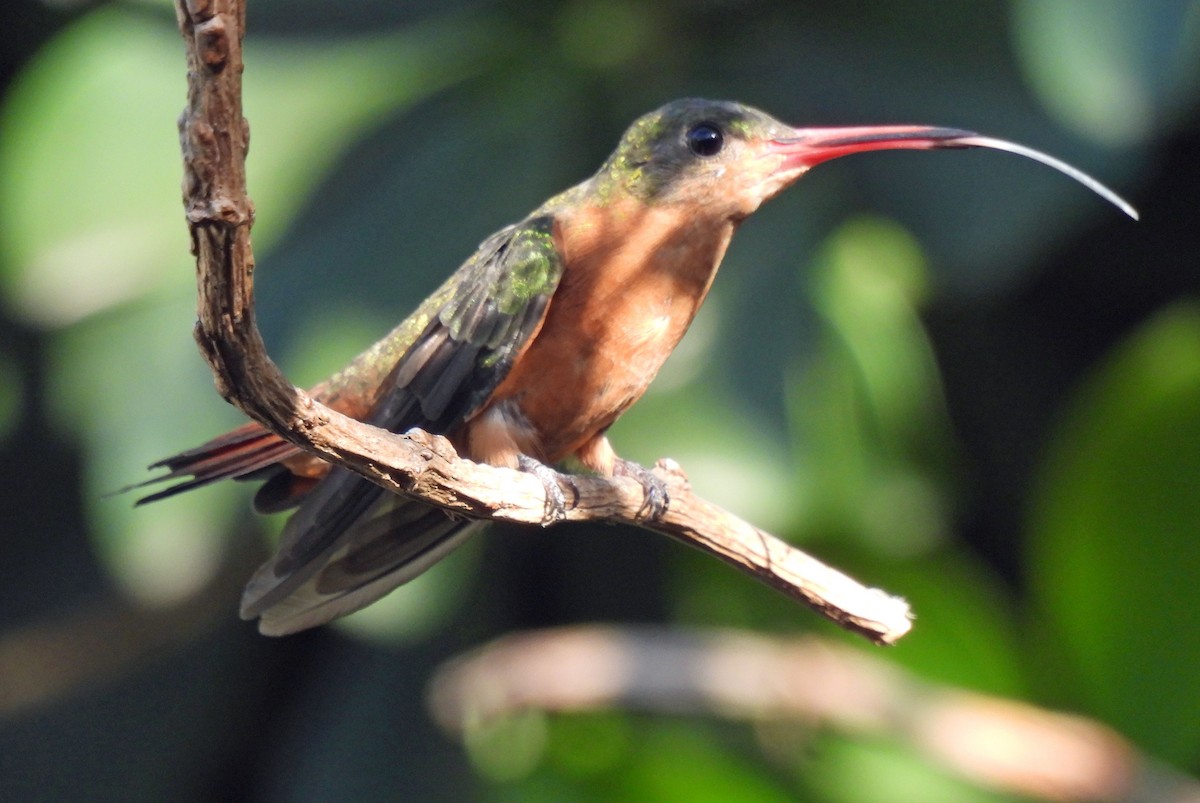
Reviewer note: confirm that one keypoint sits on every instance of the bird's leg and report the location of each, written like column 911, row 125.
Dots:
column 657, row 498
column 556, row 501
column 597, row 454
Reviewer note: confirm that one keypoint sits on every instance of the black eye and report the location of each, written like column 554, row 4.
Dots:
column 705, row 139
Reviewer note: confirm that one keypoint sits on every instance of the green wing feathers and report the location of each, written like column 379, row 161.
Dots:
column 351, row 542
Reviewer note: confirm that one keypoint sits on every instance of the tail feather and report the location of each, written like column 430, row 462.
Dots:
column 389, row 545
column 237, row 454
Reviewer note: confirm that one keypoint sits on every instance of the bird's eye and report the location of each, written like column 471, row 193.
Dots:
column 705, row 139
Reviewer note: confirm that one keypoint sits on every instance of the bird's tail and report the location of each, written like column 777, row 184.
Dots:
column 350, row 543
column 243, row 453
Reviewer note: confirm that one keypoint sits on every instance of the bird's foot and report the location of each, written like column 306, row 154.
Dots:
column 556, row 501
column 656, row 497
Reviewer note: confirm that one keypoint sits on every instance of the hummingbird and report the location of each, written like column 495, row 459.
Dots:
column 532, row 349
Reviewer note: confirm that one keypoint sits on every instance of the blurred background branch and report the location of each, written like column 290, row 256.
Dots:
column 810, row 683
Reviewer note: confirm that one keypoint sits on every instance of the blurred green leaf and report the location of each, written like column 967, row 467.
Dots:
column 588, row 744
column 858, row 771
column 1113, row 538
column 676, row 760
column 117, row 382
column 868, row 411
column 90, row 169
column 964, row 634
column 91, row 225
column 507, row 748
column 1105, row 67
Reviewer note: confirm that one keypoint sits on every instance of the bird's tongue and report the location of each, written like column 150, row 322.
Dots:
column 808, row 147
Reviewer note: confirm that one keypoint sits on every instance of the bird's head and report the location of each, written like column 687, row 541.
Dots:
column 728, row 158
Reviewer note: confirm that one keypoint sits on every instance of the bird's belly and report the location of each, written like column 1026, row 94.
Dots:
column 576, row 379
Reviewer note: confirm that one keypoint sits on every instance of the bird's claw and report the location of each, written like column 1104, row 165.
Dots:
column 656, row 499
column 556, row 501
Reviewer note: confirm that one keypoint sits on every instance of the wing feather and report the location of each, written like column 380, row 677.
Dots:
column 350, row 542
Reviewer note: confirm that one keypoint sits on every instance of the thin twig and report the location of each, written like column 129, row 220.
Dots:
column 214, row 137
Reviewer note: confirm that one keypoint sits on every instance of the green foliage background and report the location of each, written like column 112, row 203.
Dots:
column 957, row 375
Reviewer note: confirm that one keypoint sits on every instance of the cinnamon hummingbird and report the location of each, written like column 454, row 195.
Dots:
column 531, row 350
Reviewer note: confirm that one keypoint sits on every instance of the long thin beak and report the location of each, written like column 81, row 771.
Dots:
column 811, row 146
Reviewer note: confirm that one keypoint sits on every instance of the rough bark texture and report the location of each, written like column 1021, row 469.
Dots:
column 215, row 137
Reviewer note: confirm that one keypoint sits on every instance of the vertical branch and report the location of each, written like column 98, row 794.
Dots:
column 215, row 138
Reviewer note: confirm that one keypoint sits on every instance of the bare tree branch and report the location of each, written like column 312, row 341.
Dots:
column 214, row 137
column 991, row 741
